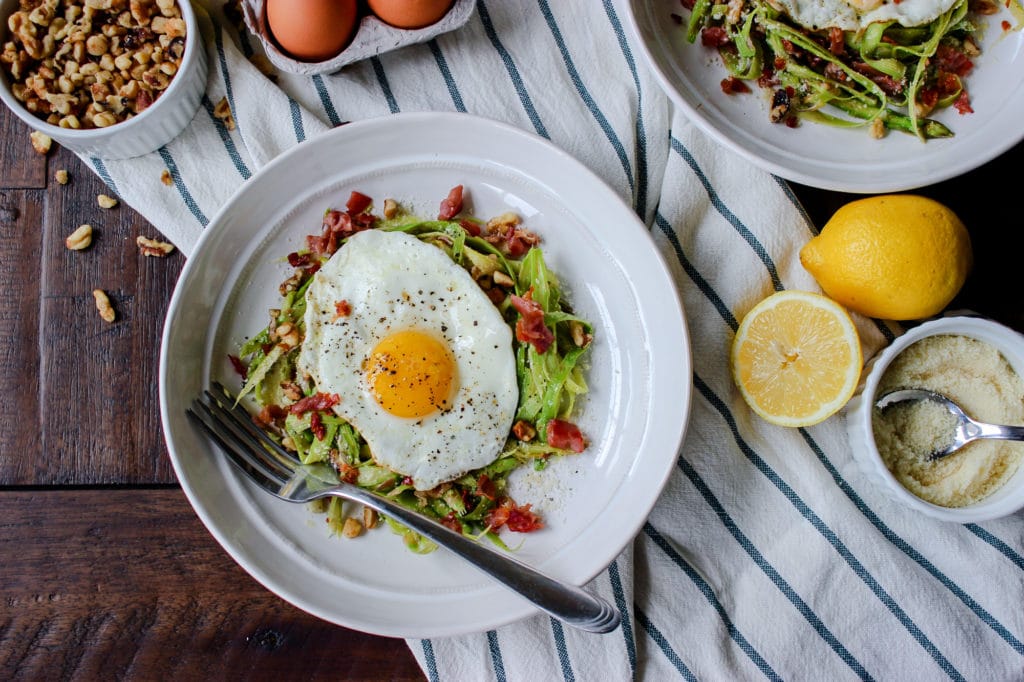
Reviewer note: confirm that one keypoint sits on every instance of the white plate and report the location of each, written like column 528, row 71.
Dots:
column 640, row 373
column 846, row 160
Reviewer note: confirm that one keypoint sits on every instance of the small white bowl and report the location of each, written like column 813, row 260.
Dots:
column 1009, row 498
column 160, row 123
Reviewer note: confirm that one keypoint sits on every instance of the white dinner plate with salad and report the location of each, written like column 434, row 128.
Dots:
column 835, row 158
column 634, row 413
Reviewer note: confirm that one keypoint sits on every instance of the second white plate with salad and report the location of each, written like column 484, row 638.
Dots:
column 639, row 373
column 827, row 157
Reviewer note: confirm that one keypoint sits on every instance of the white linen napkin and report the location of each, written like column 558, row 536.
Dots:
column 769, row 554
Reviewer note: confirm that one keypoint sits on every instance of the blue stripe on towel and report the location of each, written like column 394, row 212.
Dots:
column 513, row 72
column 225, row 137
column 496, row 659
column 734, row 634
column 428, row 658
column 385, row 87
column 218, row 38
column 701, row 283
column 826, row 532
column 595, row 111
column 1003, row 548
column 186, row 196
column 620, row 603
column 720, row 206
column 787, row 590
column 101, row 170
column 663, row 644
column 300, row 132
column 442, row 65
column 641, row 135
column 325, row 100
column 563, row 651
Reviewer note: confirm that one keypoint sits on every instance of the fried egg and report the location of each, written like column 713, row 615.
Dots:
column 421, row 358
column 851, row 15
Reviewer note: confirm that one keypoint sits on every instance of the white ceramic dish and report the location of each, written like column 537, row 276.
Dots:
column 846, row 160
column 156, row 126
column 1007, row 499
column 639, row 375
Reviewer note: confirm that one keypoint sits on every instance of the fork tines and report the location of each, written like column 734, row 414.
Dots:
column 245, row 443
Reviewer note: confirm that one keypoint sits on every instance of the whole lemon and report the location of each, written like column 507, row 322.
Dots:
column 894, row 257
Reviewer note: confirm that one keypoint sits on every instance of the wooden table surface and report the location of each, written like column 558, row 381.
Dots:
column 105, row 570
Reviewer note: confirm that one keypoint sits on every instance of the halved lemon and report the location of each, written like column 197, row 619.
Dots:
column 796, row 358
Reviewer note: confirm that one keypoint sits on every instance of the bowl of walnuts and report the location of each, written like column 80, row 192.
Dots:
column 107, row 78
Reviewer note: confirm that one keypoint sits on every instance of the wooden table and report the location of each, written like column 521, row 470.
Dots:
column 105, row 570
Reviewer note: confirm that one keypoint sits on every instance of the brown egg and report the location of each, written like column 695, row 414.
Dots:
column 409, row 13
column 312, row 30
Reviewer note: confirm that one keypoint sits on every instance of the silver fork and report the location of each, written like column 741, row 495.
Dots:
column 278, row 472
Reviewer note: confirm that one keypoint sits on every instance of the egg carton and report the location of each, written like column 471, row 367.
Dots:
column 372, row 37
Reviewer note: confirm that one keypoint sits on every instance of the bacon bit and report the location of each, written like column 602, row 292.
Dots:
column 485, row 487
column 347, row 472
column 952, row 60
column 342, row 309
column 714, row 36
column 927, row 98
column 239, row 366
column 963, row 104
column 317, row 401
column 471, row 228
column 522, row 520
column 530, row 327
column 299, row 260
column 452, row 204
column 521, row 241
column 733, row 85
column 516, row 518
column 269, row 415
column 836, row 44
column 688, row 4
column 565, row 435
column 1005, row 24
column 452, row 523
column 338, row 225
column 358, row 202
column 407, row 480
column 792, row 122
column 316, row 425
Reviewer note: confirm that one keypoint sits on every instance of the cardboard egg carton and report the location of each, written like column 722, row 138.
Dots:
column 372, row 37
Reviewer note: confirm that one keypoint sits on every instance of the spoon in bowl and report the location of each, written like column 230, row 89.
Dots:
column 967, row 430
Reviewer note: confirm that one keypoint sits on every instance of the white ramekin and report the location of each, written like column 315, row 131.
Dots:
column 141, row 134
column 1007, row 499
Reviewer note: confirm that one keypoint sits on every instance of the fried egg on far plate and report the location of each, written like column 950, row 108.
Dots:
column 421, row 358
column 852, row 15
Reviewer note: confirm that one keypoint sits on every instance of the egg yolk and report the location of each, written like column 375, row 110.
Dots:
column 411, row 374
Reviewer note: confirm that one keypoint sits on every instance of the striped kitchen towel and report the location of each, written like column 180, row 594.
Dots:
column 769, row 555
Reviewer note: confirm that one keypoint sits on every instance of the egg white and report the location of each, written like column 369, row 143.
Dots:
column 394, row 282
column 851, row 15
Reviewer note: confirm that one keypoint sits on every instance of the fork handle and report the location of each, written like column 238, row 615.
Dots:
column 565, row 602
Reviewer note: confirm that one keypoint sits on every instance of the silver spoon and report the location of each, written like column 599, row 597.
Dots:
column 967, row 429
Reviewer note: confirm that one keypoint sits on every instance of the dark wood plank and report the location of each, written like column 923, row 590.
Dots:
column 100, row 584
column 22, row 166
column 20, row 243
column 98, row 416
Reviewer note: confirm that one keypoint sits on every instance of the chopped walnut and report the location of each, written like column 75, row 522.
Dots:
column 153, row 247
column 524, row 431
column 877, row 129
column 103, row 305
column 61, row 177
column 105, row 201
column 80, row 239
column 580, row 337
column 288, row 335
column 41, row 142
column 352, row 528
column 390, row 208
column 503, row 280
column 165, row 177
column 369, row 518
column 223, row 112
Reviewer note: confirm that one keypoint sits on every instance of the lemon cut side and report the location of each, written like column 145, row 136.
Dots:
column 796, row 358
